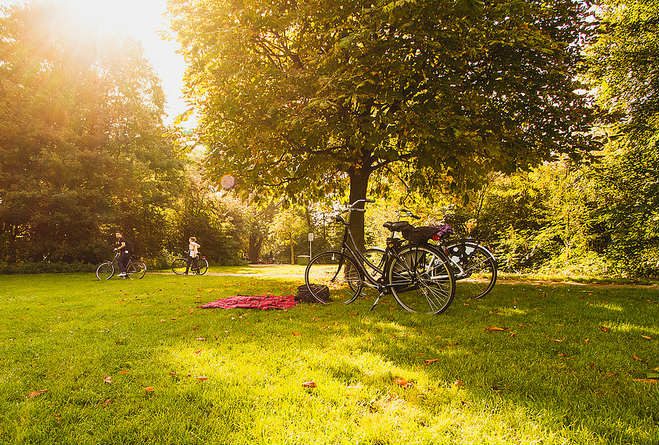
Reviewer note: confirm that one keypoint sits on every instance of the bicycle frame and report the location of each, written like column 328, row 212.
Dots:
column 115, row 261
column 349, row 248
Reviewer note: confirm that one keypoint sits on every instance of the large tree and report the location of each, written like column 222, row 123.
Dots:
column 309, row 95
column 83, row 150
column 623, row 68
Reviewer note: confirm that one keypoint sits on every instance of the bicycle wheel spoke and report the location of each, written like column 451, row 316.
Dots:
column 439, row 293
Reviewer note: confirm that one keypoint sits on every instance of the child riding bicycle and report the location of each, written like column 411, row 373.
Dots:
column 193, row 254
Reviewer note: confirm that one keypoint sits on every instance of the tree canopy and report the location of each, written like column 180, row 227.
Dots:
column 310, row 95
column 83, row 150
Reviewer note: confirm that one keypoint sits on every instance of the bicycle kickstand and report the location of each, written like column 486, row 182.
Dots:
column 377, row 300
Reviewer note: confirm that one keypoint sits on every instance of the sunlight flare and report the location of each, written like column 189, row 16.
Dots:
column 123, row 18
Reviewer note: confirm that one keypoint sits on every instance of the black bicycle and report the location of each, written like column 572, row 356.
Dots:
column 198, row 267
column 474, row 264
column 107, row 269
column 470, row 261
column 417, row 274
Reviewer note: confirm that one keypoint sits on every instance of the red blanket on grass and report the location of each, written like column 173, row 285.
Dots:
column 262, row 302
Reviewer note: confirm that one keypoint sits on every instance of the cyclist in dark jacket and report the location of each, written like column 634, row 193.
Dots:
column 124, row 253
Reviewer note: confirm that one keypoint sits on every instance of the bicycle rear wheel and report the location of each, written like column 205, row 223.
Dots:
column 476, row 265
column 179, row 265
column 333, row 276
column 105, row 271
column 136, row 269
column 202, row 265
column 421, row 280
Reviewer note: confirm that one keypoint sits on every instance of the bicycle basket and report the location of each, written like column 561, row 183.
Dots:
column 418, row 235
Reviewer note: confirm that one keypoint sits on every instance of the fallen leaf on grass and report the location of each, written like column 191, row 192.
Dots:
column 562, row 354
column 123, row 372
column 309, row 384
column 604, row 329
column 197, row 352
column 200, row 338
column 172, row 373
column 201, row 378
column 647, row 337
column 652, row 381
column 459, row 383
column 108, row 380
column 296, row 334
column 495, row 329
column 586, row 341
column 430, row 361
column 558, row 340
column 149, row 389
column 403, row 383
column 107, row 402
column 34, row 394
column 636, row 358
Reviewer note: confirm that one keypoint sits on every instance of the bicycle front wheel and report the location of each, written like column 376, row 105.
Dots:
column 421, row 280
column 136, row 269
column 476, row 265
column 333, row 276
column 203, row 266
column 105, row 271
column 179, row 265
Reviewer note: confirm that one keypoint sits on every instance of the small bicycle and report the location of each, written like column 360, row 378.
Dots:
column 107, row 269
column 417, row 274
column 198, row 267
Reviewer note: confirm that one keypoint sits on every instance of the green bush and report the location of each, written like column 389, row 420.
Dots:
column 42, row 267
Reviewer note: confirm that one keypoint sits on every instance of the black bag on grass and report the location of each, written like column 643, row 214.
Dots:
column 303, row 295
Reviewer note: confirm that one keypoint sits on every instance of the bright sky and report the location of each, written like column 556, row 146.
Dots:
column 144, row 21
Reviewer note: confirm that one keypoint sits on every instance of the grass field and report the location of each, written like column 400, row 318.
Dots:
column 128, row 362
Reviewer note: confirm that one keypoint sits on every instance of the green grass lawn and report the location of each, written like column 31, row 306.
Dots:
column 562, row 372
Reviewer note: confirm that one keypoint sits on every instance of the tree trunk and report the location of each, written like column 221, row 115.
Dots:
column 254, row 248
column 292, row 252
column 358, row 189
column 11, row 244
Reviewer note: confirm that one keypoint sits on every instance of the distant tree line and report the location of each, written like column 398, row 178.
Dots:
column 534, row 126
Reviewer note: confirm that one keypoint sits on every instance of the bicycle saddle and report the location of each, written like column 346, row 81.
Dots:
column 397, row 226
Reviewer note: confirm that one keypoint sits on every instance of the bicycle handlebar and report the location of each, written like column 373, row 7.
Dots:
column 352, row 207
column 408, row 213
